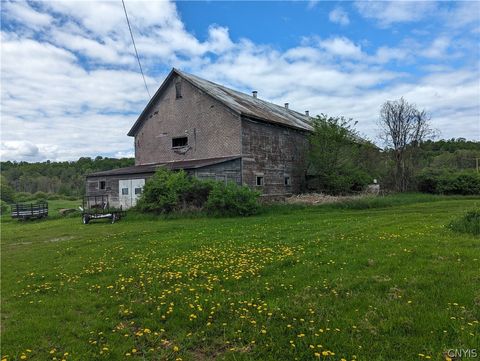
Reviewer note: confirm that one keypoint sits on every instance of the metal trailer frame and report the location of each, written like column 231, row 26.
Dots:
column 24, row 211
column 98, row 207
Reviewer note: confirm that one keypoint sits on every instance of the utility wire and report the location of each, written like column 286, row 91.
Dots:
column 135, row 47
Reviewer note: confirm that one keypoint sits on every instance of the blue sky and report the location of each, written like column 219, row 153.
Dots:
column 71, row 85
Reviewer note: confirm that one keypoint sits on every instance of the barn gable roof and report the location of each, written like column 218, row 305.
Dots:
column 241, row 103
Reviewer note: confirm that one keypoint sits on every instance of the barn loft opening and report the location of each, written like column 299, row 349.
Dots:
column 179, row 142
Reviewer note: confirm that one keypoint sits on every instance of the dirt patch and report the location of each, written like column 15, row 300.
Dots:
column 319, row 198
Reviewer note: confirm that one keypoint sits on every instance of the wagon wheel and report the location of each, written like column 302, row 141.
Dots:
column 85, row 219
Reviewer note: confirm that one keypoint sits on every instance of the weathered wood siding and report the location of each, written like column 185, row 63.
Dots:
column 273, row 152
column 226, row 171
column 111, row 186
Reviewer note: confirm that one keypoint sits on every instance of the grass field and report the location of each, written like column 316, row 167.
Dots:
column 294, row 283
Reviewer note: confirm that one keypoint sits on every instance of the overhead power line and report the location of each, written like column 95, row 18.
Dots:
column 135, row 47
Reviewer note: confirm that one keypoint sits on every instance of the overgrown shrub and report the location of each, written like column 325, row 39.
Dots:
column 446, row 182
column 6, row 192
column 196, row 194
column 40, row 195
column 3, row 207
column 338, row 183
column 169, row 191
column 162, row 192
column 468, row 223
column 231, row 200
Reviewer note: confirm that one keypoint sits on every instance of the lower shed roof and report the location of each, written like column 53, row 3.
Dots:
column 175, row 165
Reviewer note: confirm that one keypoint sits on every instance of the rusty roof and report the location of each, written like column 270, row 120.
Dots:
column 241, row 103
column 174, row 165
column 249, row 106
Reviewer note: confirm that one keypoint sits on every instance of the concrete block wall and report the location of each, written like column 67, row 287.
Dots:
column 212, row 129
column 274, row 152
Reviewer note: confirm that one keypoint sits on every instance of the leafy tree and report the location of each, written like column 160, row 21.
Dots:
column 6, row 191
column 338, row 157
column 66, row 178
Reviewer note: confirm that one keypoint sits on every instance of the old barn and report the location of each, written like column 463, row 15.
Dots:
column 211, row 132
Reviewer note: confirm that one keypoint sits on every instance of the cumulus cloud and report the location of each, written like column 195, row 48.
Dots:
column 341, row 46
column 25, row 14
column 339, row 16
column 390, row 12
column 71, row 87
column 18, row 149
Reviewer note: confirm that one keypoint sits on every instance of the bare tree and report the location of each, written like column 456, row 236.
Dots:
column 403, row 128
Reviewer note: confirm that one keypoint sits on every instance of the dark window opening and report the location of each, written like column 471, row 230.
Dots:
column 102, row 184
column 179, row 142
column 138, row 190
column 259, row 181
column 178, row 90
column 124, row 191
column 288, row 181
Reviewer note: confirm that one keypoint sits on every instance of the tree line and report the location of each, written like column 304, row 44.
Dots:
column 340, row 160
column 61, row 178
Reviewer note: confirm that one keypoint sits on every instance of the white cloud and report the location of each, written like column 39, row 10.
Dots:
column 341, row 46
column 389, row 12
column 438, row 48
column 18, row 150
column 339, row 16
column 74, row 88
column 25, row 14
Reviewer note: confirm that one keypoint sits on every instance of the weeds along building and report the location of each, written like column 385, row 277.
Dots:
column 211, row 132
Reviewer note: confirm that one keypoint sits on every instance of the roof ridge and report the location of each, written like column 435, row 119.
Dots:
column 185, row 74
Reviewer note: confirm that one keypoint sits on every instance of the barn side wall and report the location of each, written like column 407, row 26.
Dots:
column 212, row 129
column 225, row 171
column 274, row 153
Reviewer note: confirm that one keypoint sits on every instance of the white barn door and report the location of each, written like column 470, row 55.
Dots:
column 129, row 191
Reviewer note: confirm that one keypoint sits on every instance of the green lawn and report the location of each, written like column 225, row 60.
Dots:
column 297, row 283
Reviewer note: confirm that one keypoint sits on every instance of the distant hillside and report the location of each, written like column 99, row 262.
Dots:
column 65, row 178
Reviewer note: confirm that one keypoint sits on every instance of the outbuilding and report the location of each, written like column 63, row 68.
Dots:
column 211, row 132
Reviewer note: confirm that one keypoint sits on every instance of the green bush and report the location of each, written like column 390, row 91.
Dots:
column 447, row 182
column 196, row 193
column 6, row 191
column 232, row 200
column 168, row 192
column 162, row 193
column 40, row 196
column 468, row 223
column 355, row 181
column 23, row 197
column 3, row 207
